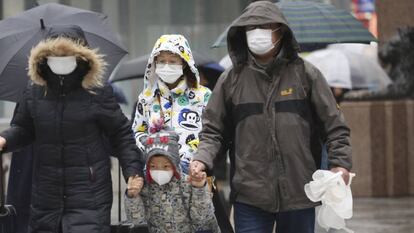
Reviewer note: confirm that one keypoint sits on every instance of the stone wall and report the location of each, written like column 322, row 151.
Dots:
column 382, row 137
column 393, row 14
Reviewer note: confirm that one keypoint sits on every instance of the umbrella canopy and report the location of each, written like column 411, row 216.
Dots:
column 20, row 33
column 135, row 68
column 345, row 69
column 370, row 50
column 317, row 24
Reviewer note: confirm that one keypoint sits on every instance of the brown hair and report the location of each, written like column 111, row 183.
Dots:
column 191, row 78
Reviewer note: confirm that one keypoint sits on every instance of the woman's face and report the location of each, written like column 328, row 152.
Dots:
column 168, row 58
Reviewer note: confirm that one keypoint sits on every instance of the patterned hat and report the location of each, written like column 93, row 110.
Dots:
column 163, row 143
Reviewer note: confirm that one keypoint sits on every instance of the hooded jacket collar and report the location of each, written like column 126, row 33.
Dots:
column 258, row 13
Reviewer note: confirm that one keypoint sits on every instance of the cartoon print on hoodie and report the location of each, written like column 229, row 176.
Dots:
column 180, row 108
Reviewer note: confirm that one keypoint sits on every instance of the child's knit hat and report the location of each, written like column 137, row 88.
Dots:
column 164, row 143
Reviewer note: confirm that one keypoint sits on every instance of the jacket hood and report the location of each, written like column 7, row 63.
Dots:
column 176, row 44
column 67, row 41
column 258, row 13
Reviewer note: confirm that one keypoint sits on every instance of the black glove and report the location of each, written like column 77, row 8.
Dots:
column 83, row 67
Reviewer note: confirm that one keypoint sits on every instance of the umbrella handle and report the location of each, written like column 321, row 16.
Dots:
column 42, row 24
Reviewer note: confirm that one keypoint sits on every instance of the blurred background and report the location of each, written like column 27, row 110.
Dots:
column 139, row 23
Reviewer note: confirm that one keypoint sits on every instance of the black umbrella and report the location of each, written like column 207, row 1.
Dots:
column 135, row 68
column 20, row 33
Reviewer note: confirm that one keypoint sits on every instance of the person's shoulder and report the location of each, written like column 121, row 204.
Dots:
column 33, row 90
column 229, row 72
column 101, row 93
column 104, row 89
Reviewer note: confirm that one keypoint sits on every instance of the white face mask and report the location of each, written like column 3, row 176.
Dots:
column 169, row 73
column 161, row 177
column 260, row 41
column 62, row 65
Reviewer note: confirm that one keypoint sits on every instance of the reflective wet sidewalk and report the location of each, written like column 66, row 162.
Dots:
column 381, row 215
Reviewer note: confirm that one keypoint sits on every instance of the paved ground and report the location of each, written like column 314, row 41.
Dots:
column 383, row 215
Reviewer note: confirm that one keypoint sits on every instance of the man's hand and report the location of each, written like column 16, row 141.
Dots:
column 345, row 173
column 197, row 169
column 2, row 143
column 199, row 182
column 135, row 184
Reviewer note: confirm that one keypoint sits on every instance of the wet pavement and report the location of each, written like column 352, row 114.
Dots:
column 382, row 215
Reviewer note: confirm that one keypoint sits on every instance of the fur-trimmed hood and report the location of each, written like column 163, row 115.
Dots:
column 66, row 46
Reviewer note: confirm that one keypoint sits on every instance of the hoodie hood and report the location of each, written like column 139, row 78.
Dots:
column 67, row 41
column 258, row 13
column 176, row 44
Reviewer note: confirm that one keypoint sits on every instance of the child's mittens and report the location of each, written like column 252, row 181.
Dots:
column 199, row 181
column 135, row 184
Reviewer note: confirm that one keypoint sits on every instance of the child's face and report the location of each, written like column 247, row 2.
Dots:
column 160, row 162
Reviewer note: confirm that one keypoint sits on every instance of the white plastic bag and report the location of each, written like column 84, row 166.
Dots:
column 336, row 198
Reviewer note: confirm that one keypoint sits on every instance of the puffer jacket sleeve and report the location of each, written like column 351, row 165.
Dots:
column 117, row 128
column 135, row 210
column 329, row 113
column 215, row 123
column 202, row 210
column 21, row 132
column 140, row 124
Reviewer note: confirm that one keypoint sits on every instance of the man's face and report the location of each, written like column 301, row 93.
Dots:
column 275, row 27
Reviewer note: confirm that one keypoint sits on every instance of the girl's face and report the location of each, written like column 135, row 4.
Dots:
column 168, row 58
column 160, row 162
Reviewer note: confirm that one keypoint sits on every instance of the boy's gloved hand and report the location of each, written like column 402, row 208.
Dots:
column 198, row 181
column 135, row 184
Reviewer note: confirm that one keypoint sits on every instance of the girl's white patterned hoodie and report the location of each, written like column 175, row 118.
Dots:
column 180, row 108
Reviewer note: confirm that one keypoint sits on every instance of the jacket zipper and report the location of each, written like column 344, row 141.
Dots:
column 171, row 100
column 270, row 116
column 268, row 107
column 61, row 109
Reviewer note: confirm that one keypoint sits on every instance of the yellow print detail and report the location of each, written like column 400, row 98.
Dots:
column 288, row 91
